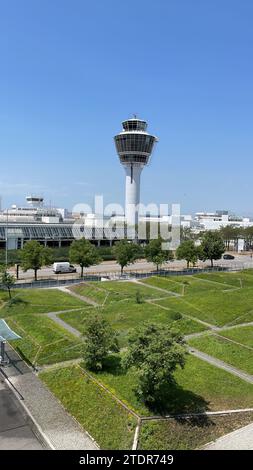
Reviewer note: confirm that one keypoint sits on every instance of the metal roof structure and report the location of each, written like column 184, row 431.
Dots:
column 6, row 333
column 62, row 231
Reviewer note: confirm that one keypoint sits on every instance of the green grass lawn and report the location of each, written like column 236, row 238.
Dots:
column 215, row 307
column 111, row 291
column 108, row 423
column 241, row 334
column 37, row 301
column 127, row 314
column 229, row 280
column 187, row 434
column 43, row 341
column 167, row 283
column 183, row 284
column 199, row 387
column 234, row 354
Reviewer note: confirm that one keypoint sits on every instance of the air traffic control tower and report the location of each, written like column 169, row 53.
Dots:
column 134, row 146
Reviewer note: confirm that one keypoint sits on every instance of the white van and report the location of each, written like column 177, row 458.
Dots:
column 63, row 267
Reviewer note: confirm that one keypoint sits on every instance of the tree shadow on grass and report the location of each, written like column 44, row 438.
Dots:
column 171, row 398
column 24, row 357
column 15, row 301
column 195, row 421
column 112, row 365
column 174, row 399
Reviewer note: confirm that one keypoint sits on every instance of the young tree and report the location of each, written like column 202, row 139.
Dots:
column 230, row 233
column 7, row 281
column 186, row 233
column 34, row 256
column 188, row 251
column 212, row 246
column 85, row 254
column 125, row 253
column 99, row 340
column 155, row 253
column 155, row 351
column 248, row 236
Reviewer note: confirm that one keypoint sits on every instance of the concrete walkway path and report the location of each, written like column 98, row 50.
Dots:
column 57, row 427
column 168, row 292
column 221, row 365
column 78, row 296
column 239, row 325
column 62, row 323
column 241, row 439
column 57, row 365
column 195, row 319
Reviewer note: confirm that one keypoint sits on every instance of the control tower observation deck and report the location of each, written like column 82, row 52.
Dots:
column 134, row 147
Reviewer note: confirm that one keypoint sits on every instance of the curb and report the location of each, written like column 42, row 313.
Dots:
column 35, row 427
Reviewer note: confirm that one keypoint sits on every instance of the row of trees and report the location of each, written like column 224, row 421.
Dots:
column 211, row 248
column 230, row 235
column 82, row 252
column 127, row 253
column 155, row 351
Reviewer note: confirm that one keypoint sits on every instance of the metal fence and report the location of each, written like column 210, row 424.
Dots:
column 140, row 274
column 182, row 272
column 46, row 283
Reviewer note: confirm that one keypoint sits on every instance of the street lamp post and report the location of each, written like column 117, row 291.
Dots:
column 6, row 240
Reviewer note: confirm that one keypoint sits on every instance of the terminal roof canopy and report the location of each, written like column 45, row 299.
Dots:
column 6, row 333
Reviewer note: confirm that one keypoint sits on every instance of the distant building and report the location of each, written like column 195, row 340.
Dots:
column 218, row 219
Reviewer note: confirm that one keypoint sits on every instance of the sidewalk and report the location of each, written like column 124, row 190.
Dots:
column 16, row 432
column 241, row 439
column 59, row 430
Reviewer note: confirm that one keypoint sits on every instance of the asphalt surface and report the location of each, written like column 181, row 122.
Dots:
column 59, row 430
column 15, row 431
column 106, row 267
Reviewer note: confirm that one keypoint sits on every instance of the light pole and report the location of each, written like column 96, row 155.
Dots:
column 6, row 240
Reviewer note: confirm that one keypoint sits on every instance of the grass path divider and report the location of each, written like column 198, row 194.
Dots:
column 169, row 292
column 184, row 315
column 107, row 390
column 194, row 415
column 136, row 435
column 245, row 346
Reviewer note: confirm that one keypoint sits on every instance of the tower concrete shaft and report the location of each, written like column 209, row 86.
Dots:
column 134, row 147
column 132, row 195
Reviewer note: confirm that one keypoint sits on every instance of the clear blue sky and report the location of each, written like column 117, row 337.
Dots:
column 72, row 70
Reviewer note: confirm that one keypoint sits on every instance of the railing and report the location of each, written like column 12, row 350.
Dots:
column 89, row 277
column 46, row 283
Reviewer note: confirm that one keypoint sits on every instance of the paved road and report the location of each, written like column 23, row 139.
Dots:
column 15, row 430
column 242, row 439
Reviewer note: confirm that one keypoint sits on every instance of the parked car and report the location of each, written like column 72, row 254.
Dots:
column 227, row 256
column 63, row 267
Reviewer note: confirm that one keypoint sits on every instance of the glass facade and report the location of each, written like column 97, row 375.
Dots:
column 67, row 232
column 134, row 144
column 134, row 125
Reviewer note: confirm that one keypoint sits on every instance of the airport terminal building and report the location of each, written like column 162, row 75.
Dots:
column 53, row 227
